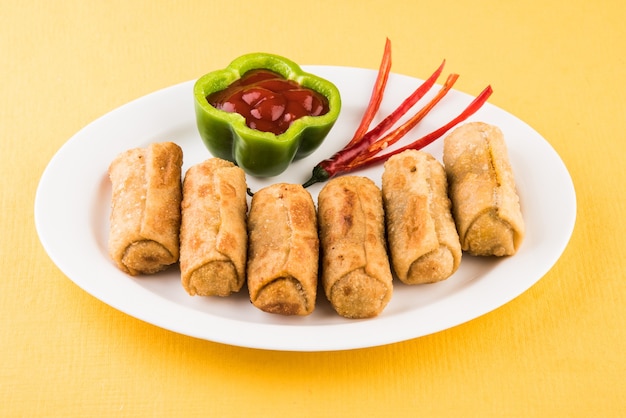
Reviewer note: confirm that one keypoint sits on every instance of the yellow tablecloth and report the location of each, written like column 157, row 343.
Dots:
column 556, row 350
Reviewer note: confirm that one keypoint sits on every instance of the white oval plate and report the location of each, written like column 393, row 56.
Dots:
column 72, row 209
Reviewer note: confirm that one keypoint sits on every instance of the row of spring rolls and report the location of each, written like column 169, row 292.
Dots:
column 416, row 225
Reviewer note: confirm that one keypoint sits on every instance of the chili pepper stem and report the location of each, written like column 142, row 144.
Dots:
column 318, row 175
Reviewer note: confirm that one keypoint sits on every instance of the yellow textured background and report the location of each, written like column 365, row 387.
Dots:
column 556, row 350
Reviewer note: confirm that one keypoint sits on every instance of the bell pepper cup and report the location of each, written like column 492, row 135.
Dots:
column 259, row 153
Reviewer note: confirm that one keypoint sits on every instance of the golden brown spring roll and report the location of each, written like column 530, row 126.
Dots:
column 213, row 236
column 356, row 274
column 485, row 203
column 283, row 250
column 423, row 243
column 145, row 208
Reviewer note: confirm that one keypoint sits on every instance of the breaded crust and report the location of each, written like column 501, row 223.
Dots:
column 485, row 203
column 356, row 274
column 283, row 250
column 424, row 245
column 213, row 232
column 145, row 208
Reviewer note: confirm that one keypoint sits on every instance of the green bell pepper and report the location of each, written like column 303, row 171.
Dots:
column 258, row 153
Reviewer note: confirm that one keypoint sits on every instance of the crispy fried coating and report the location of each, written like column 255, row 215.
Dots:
column 356, row 275
column 145, row 208
column 424, row 245
column 283, row 252
column 485, row 203
column 213, row 235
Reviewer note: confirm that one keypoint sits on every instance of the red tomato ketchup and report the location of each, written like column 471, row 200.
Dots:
column 268, row 101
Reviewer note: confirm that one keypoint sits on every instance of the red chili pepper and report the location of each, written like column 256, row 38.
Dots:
column 327, row 168
column 476, row 104
column 361, row 150
column 398, row 133
column 377, row 94
column 372, row 136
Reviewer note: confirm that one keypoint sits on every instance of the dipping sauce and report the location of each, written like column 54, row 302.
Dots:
column 268, row 101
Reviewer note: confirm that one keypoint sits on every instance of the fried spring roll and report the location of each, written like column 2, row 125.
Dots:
column 423, row 243
column 482, row 189
column 283, row 250
column 213, row 236
column 145, row 208
column 356, row 275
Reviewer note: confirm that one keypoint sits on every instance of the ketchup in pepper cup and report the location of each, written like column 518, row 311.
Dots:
column 268, row 101
column 263, row 111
